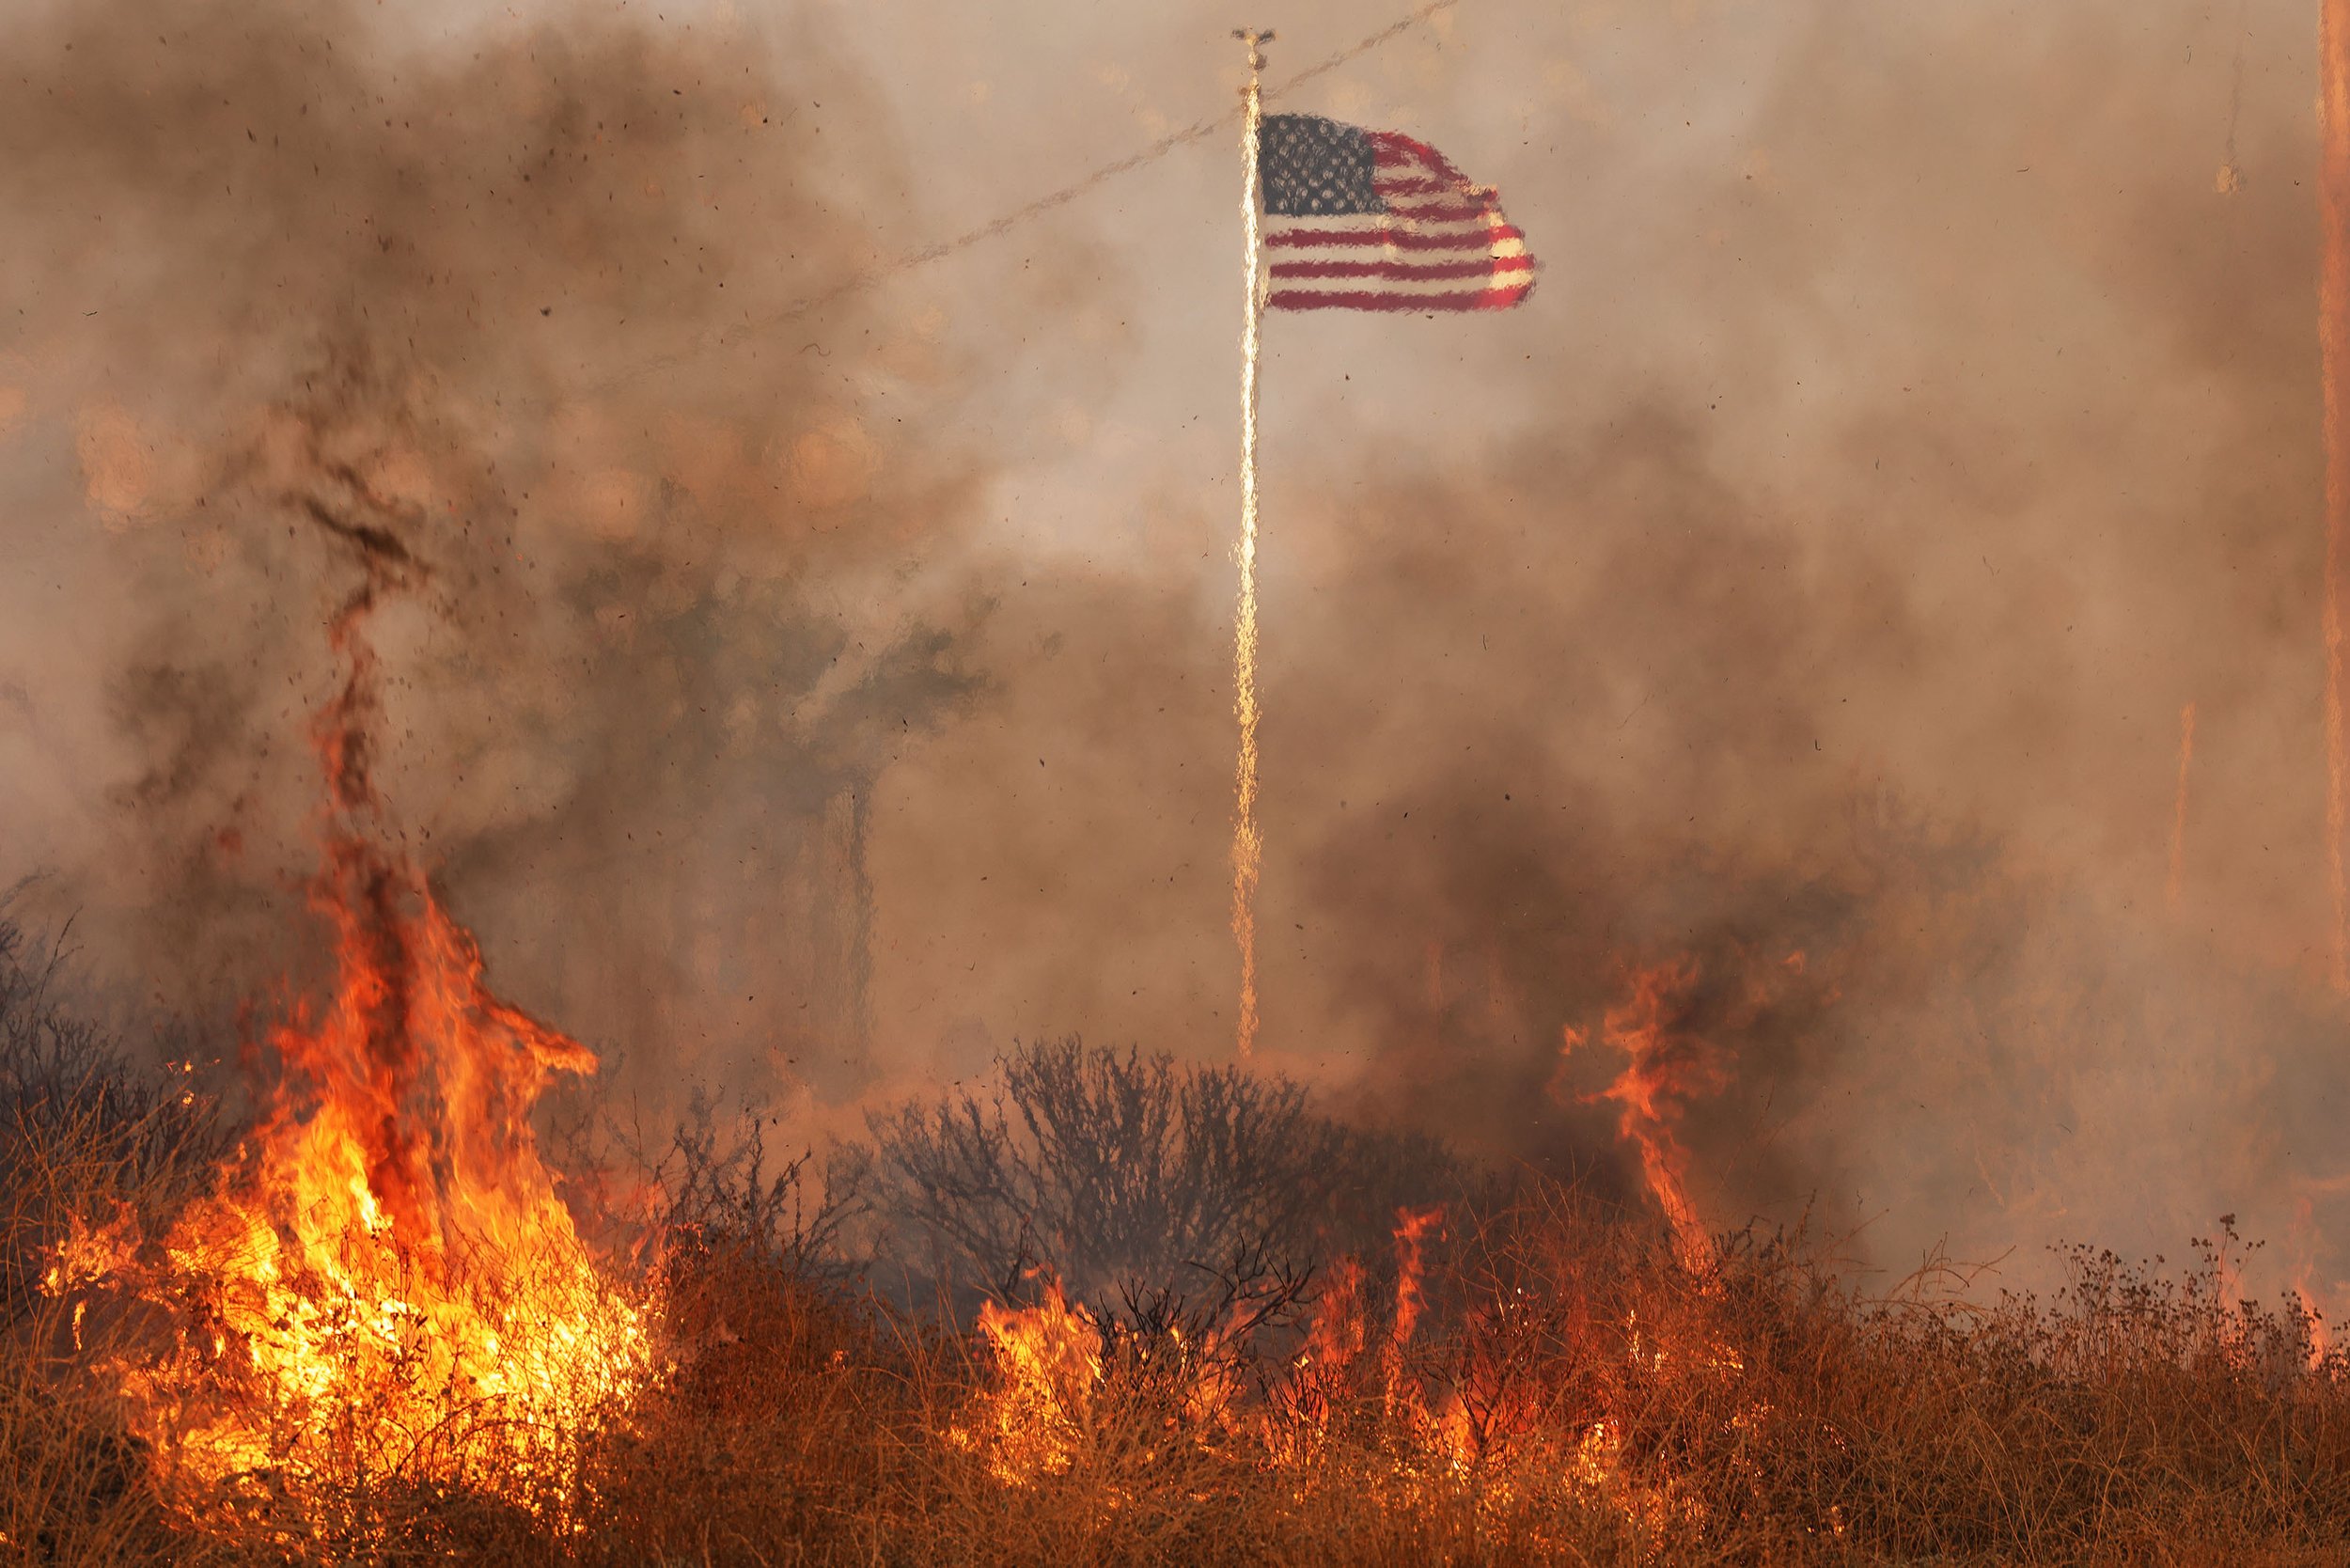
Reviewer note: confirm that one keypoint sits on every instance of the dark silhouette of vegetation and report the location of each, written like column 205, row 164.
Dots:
column 1116, row 1167
column 66, row 1084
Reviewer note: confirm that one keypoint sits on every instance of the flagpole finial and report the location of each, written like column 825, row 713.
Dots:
column 1255, row 40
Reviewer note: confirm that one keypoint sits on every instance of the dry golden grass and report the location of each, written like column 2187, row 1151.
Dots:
column 1608, row 1407
column 1569, row 1393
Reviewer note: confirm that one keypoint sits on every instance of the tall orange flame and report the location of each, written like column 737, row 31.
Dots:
column 384, row 1283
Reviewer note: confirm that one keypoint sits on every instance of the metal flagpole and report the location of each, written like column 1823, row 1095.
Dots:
column 1247, row 845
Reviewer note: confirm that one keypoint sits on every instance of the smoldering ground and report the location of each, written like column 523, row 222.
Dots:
column 1817, row 567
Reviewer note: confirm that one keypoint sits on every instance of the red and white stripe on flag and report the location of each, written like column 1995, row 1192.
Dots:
column 1441, row 243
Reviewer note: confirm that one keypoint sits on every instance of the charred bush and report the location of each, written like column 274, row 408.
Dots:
column 1119, row 1170
column 720, row 1187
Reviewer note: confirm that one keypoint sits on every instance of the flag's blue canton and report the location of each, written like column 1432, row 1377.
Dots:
column 1314, row 168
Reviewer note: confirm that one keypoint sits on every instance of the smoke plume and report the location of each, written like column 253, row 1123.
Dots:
column 523, row 313
column 1915, row 415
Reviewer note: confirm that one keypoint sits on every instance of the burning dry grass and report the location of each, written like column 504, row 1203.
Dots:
column 1533, row 1377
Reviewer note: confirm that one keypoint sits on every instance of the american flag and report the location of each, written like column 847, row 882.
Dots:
column 1373, row 220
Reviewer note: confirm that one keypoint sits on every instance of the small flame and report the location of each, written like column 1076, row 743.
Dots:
column 1047, row 1359
column 2321, row 1335
column 1663, row 1067
column 1412, row 1227
column 2305, row 1287
column 1335, row 1336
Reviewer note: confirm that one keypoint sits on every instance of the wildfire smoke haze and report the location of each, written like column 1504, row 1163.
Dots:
column 1720, row 729
column 2333, row 318
column 2176, row 885
column 496, row 383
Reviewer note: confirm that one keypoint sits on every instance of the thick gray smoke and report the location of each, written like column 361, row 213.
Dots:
column 281, row 270
column 1916, row 413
